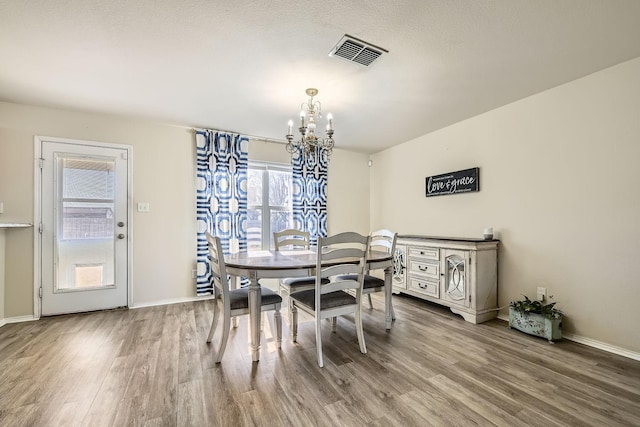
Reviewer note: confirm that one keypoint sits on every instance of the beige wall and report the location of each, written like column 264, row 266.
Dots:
column 163, row 175
column 2, row 239
column 560, row 185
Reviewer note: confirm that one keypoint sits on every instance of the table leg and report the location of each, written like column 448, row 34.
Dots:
column 235, row 284
column 388, row 307
column 255, row 303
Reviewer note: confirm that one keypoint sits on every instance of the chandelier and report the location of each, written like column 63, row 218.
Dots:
column 310, row 114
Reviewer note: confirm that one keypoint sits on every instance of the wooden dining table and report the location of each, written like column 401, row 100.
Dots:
column 270, row 264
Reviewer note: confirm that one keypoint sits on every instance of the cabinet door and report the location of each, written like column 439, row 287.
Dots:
column 455, row 275
column 400, row 268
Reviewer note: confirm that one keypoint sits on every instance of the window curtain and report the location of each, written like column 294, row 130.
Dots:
column 310, row 192
column 221, row 197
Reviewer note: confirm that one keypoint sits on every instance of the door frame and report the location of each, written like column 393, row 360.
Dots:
column 37, row 213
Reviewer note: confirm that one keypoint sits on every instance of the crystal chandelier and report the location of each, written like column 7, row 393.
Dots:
column 309, row 115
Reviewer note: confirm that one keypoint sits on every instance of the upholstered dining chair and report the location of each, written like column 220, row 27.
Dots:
column 291, row 239
column 234, row 302
column 340, row 254
column 385, row 241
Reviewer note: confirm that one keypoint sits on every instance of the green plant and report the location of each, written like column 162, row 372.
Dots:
column 528, row 306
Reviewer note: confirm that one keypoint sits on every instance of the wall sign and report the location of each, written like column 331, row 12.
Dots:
column 464, row 181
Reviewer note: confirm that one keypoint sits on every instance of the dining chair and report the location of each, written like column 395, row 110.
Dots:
column 343, row 253
column 385, row 241
column 292, row 239
column 235, row 302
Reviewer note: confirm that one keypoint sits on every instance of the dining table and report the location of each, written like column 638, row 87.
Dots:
column 271, row 264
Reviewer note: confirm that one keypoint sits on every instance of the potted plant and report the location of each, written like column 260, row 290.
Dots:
column 536, row 318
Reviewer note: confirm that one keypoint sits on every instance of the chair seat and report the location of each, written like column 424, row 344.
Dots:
column 292, row 282
column 239, row 298
column 330, row 300
column 369, row 281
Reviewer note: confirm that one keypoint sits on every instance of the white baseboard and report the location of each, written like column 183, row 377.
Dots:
column 593, row 343
column 18, row 319
column 602, row 346
column 170, row 301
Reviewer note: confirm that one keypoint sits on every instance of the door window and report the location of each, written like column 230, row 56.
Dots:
column 85, row 222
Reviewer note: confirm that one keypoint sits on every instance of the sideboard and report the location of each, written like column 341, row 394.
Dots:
column 461, row 274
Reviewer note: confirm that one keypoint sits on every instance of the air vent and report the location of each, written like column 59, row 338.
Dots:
column 358, row 51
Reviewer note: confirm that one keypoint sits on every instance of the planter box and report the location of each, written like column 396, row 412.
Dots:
column 536, row 324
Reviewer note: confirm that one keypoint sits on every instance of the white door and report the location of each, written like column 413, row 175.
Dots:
column 84, row 231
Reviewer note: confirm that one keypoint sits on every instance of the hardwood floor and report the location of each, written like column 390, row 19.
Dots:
column 152, row 367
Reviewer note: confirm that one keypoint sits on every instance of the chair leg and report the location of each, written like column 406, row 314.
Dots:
column 359, row 331
column 216, row 315
column 319, row 342
column 277, row 319
column 370, row 303
column 290, row 314
column 226, row 323
column 334, row 324
column 294, row 321
column 393, row 313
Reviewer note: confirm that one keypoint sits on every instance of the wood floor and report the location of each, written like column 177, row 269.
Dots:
column 152, row 367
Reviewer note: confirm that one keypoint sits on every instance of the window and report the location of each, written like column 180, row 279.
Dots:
column 88, row 198
column 269, row 203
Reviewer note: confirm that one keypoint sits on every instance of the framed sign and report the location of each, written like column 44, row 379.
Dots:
column 464, row 181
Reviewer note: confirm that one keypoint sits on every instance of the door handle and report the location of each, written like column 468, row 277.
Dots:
column 120, row 236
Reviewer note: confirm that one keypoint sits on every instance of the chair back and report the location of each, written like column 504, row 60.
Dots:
column 345, row 254
column 383, row 240
column 291, row 238
column 219, row 276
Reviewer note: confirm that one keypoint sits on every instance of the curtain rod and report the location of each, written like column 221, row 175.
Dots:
column 254, row 137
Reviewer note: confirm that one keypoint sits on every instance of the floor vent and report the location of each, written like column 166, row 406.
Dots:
column 357, row 51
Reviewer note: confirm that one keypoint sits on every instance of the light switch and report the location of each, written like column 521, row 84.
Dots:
column 143, row 207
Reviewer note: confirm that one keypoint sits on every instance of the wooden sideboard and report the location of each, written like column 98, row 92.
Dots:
column 461, row 274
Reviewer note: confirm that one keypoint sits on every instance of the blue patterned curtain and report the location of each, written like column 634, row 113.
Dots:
column 221, row 199
column 310, row 193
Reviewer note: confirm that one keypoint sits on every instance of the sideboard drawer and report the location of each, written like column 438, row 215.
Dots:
column 425, row 286
column 424, row 252
column 424, row 268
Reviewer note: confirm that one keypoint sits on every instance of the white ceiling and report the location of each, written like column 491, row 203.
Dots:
column 244, row 65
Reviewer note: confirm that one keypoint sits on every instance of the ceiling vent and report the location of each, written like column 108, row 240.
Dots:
column 358, row 51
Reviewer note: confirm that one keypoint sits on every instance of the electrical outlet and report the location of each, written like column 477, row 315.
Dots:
column 143, row 207
column 193, row 274
column 542, row 293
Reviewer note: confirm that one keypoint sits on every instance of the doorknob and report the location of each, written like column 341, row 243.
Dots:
column 120, row 236
column 120, row 224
